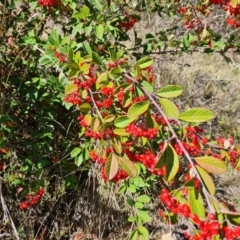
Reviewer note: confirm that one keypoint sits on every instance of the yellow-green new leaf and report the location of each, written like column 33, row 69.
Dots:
column 170, row 91
column 128, row 166
column 109, row 118
column 169, row 158
column 207, row 180
column 111, row 166
column 196, row 203
column 211, row 164
column 102, row 80
column 144, row 62
column 234, row 3
column 123, row 121
column 196, row 115
column 88, row 119
column 117, row 145
column 71, row 88
column 169, row 108
column 85, row 107
column 137, row 109
column 120, row 132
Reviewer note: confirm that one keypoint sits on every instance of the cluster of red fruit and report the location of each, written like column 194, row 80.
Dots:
column 49, row 3
column 128, row 22
column 96, row 158
column 60, row 56
column 86, row 83
column 116, row 63
column 32, row 199
column 136, row 131
column 207, row 228
column 73, row 98
column 148, row 159
column 146, row 74
column 100, row 135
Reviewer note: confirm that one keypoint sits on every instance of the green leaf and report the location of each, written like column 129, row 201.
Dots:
column 196, row 115
column 44, row 60
column 27, row 40
column 88, row 29
column 117, row 145
column 111, row 166
column 144, row 62
column 120, row 132
column 54, row 38
column 96, row 58
column 186, row 43
column 139, row 205
column 75, row 152
column 169, row 108
column 137, row 109
column 77, row 29
column 143, row 199
column 196, row 203
column 123, row 121
column 102, row 80
column 211, row 164
column 128, row 166
column 109, row 118
column 147, row 86
column 170, row 91
column 132, row 219
column 169, row 158
column 130, row 202
column 87, row 47
column 85, row 107
column 99, row 30
column 85, row 10
column 143, row 231
column 79, row 160
column 127, row 100
column 144, row 216
column 234, row 218
column 207, row 180
column 237, row 165
column 70, row 88
column 134, row 235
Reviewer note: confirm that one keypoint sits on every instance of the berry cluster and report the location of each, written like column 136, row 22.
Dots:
column 128, row 22
column 231, row 233
column 85, row 84
column 32, row 199
column 96, row 158
column 107, row 103
column 192, row 24
column 116, row 63
column 99, row 135
column 73, row 98
column 108, row 91
column 60, row 56
column 49, row 3
column 207, row 229
column 136, row 131
column 148, row 159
